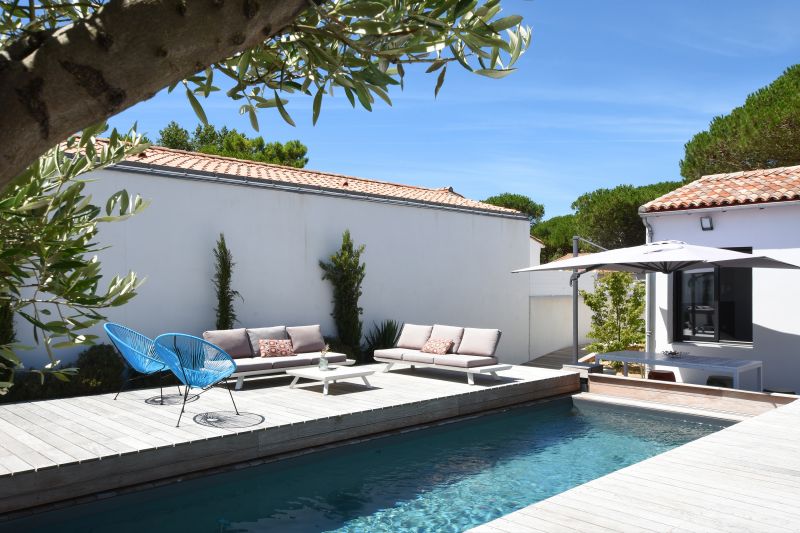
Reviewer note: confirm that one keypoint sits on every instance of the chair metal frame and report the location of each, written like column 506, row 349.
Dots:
column 176, row 358
column 134, row 356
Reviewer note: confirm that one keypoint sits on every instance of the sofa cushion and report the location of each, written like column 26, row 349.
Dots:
column 256, row 334
column 437, row 346
column 463, row 361
column 289, row 361
column 448, row 332
column 306, row 338
column 248, row 364
column 413, row 336
column 391, row 353
column 275, row 347
column 416, row 356
column 479, row 342
column 233, row 341
column 333, row 357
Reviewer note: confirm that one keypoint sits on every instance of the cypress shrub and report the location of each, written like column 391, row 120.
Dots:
column 345, row 271
column 223, row 273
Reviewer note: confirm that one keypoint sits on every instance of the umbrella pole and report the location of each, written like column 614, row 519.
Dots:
column 574, row 280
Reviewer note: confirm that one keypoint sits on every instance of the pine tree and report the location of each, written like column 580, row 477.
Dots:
column 763, row 133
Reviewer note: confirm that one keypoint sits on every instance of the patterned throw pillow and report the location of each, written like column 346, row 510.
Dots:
column 437, row 346
column 275, row 347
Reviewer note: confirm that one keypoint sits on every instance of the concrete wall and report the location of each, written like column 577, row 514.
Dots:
column 772, row 230
column 551, row 307
column 423, row 265
column 551, row 323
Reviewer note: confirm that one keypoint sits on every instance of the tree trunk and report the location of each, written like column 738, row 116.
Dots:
column 57, row 84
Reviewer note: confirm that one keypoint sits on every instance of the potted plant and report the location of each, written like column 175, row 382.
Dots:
column 323, row 357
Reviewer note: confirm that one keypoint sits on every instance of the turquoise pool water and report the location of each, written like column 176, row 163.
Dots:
column 446, row 478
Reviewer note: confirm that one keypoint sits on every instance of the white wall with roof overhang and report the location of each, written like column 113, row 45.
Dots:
column 551, row 307
column 770, row 229
column 424, row 265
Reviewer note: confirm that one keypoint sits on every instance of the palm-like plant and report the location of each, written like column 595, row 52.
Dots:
column 383, row 335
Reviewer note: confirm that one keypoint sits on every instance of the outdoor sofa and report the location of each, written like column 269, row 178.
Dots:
column 242, row 345
column 471, row 352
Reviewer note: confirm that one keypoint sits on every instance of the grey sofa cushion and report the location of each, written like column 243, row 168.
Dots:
column 288, row 361
column 463, row 361
column 306, row 338
column 256, row 334
column 448, row 332
column 414, row 336
column 249, row 364
column 333, row 357
column 479, row 342
column 233, row 341
column 415, row 356
column 391, row 353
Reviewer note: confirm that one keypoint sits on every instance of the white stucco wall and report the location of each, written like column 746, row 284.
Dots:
column 772, row 230
column 551, row 323
column 551, row 307
column 423, row 265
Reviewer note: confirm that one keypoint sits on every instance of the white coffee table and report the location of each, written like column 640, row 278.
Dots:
column 331, row 375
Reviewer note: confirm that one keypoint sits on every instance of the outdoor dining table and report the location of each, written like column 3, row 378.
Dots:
column 722, row 365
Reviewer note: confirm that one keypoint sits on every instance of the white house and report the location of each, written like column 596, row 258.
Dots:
column 739, row 313
column 432, row 256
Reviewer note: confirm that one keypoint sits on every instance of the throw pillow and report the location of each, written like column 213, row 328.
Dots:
column 275, row 347
column 437, row 346
column 306, row 339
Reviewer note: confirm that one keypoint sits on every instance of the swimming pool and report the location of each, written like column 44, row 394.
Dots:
column 444, row 478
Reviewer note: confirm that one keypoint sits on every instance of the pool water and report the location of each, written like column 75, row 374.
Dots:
column 445, row 478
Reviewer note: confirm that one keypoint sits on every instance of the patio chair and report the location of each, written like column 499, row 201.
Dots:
column 139, row 353
column 196, row 363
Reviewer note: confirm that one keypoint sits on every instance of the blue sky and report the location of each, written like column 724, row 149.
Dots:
column 607, row 94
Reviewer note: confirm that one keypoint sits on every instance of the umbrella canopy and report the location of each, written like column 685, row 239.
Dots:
column 663, row 256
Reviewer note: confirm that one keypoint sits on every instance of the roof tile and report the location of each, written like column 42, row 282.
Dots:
column 736, row 188
column 158, row 156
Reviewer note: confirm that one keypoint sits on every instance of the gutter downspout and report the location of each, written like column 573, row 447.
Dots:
column 650, row 303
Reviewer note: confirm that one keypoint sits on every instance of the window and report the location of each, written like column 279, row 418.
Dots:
column 714, row 304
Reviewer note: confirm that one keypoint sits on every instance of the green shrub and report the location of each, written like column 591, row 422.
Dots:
column 381, row 336
column 345, row 271
column 617, row 305
column 338, row 346
column 99, row 370
column 223, row 273
column 7, row 333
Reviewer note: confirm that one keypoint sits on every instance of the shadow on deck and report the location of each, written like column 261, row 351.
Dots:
column 555, row 360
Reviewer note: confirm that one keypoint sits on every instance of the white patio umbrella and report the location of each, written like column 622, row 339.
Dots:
column 662, row 256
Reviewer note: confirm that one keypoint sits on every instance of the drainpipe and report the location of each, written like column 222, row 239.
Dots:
column 650, row 303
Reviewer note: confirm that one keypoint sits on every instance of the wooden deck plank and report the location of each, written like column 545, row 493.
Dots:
column 107, row 444
column 52, row 438
column 76, row 433
column 743, row 478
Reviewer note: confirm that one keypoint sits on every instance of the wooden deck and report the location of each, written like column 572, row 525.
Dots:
column 62, row 449
column 743, row 478
column 556, row 359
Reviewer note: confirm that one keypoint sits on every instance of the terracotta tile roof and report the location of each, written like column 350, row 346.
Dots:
column 737, row 188
column 167, row 158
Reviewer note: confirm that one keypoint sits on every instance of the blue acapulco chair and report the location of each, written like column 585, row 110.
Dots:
column 196, row 363
column 139, row 352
